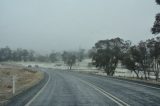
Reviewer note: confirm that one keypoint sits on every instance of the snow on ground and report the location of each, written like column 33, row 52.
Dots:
column 84, row 66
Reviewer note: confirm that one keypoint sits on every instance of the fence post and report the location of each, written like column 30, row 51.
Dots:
column 14, row 87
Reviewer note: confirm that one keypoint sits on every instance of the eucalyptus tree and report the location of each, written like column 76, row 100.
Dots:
column 156, row 27
column 53, row 57
column 80, row 54
column 108, row 53
column 69, row 58
column 158, row 2
column 144, row 58
column 5, row 54
column 154, row 49
column 130, row 60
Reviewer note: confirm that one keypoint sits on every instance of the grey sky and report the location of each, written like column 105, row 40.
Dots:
column 45, row 25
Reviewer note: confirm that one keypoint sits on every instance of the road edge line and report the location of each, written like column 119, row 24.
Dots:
column 39, row 92
column 108, row 95
column 136, row 83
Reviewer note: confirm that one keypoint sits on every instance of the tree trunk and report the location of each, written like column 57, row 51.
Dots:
column 136, row 73
column 157, row 72
column 145, row 74
column 70, row 67
column 148, row 74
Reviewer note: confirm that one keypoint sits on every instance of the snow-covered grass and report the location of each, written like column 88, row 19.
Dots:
column 79, row 66
column 84, row 66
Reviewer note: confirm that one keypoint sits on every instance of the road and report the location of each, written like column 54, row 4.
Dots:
column 66, row 88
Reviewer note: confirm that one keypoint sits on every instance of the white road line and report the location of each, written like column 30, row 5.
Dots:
column 108, row 95
column 137, row 84
column 38, row 93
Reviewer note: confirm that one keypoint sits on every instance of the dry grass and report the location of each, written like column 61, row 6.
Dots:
column 25, row 78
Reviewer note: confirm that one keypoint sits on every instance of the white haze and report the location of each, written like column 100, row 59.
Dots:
column 46, row 25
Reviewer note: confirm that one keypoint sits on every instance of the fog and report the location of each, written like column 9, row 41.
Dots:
column 46, row 25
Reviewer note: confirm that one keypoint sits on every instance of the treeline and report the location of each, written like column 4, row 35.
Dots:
column 6, row 54
column 141, row 58
column 69, row 57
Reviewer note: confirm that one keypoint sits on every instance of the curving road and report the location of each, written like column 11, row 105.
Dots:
column 65, row 88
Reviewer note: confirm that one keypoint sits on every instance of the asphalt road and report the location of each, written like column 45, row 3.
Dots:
column 66, row 88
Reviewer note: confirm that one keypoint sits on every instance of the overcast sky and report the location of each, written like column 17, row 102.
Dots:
column 46, row 25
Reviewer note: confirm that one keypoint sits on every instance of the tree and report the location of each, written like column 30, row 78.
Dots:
column 108, row 53
column 16, row 55
column 53, row 57
column 80, row 55
column 24, row 55
column 154, row 49
column 129, row 60
column 158, row 2
column 5, row 54
column 156, row 27
column 64, row 56
column 69, row 58
column 31, row 55
column 42, row 58
column 91, row 52
column 143, row 57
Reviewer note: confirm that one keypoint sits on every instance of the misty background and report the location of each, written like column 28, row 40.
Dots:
column 46, row 25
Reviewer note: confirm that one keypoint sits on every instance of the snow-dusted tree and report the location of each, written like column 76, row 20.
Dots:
column 156, row 27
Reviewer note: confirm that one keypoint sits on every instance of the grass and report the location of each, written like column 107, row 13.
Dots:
column 25, row 78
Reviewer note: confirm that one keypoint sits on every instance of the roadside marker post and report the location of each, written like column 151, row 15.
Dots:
column 14, row 86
